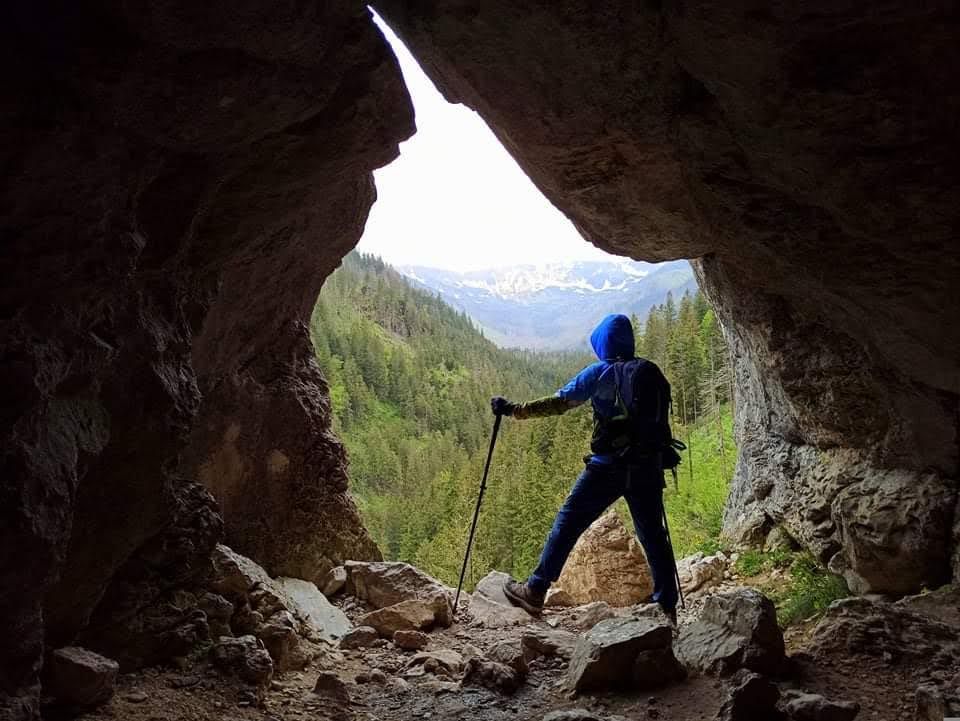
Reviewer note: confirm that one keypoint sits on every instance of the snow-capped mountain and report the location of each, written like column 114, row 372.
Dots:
column 556, row 305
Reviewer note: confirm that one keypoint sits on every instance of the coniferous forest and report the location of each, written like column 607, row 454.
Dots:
column 411, row 380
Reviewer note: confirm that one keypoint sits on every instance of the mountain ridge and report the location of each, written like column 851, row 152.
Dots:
column 516, row 306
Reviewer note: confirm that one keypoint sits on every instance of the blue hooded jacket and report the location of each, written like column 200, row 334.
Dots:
column 612, row 340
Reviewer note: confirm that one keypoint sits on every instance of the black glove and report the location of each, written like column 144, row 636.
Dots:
column 501, row 406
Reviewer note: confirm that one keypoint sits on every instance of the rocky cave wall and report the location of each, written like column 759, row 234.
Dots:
column 179, row 179
column 805, row 154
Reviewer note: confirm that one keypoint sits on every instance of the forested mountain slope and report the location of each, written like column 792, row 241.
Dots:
column 411, row 380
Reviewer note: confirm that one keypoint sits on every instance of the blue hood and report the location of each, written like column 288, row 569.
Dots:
column 613, row 338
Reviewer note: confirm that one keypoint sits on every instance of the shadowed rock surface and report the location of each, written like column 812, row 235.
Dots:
column 794, row 150
column 179, row 180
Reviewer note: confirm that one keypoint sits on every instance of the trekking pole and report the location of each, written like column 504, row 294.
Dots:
column 476, row 512
column 676, row 573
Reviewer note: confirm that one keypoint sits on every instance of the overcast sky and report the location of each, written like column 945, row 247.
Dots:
column 455, row 198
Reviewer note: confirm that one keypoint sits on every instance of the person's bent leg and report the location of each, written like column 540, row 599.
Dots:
column 594, row 491
column 645, row 500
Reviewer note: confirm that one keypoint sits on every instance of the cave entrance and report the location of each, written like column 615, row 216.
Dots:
column 468, row 283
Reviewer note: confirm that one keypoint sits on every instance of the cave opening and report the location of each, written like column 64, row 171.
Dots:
column 462, row 248
column 180, row 182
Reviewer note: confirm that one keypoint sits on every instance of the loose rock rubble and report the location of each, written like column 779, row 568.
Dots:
column 527, row 671
column 383, row 584
column 246, row 657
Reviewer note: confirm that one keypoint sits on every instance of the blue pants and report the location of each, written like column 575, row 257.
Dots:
column 595, row 490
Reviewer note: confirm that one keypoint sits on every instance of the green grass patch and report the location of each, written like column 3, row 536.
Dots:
column 810, row 591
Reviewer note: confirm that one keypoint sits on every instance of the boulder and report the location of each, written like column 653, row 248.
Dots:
column 334, row 582
column 244, row 656
column 323, row 620
column 77, row 677
column 384, row 584
column 606, row 656
column 444, row 662
column 331, row 687
column 735, row 629
column 359, row 637
column 509, row 653
column 751, row 697
column 410, row 640
column 403, row 616
column 489, row 606
column 814, row 707
column 607, row 564
column 865, row 627
column 538, row 641
column 699, row 573
column 492, row 675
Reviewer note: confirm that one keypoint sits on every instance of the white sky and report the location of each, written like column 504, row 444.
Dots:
column 456, row 199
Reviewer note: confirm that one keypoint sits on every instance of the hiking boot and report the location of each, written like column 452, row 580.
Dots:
column 521, row 595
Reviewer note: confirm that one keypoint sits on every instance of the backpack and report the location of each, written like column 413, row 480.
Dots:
column 640, row 425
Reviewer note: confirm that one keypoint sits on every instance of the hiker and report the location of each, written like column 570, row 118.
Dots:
column 626, row 461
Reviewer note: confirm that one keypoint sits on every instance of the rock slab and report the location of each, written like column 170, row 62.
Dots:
column 323, row 619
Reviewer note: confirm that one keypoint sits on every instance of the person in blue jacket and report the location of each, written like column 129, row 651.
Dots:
column 605, row 478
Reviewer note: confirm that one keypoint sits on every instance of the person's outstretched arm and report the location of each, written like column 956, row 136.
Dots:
column 577, row 391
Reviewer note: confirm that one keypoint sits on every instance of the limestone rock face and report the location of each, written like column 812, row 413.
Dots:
column 607, row 564
column 735, row 629
column 179, row 181
column 820, row 201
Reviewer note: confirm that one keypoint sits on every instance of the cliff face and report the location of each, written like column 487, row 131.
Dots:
column 796, row 151
column 179, row 179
